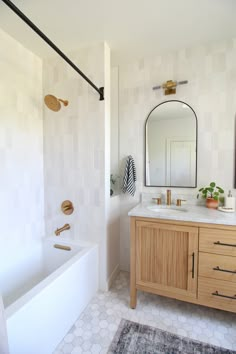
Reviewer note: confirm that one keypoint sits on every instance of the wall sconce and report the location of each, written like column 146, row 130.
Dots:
column 169, row 86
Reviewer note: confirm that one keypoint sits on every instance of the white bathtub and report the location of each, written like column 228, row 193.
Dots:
column 45, row 291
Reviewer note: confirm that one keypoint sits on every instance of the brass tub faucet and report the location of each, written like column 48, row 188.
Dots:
column 63, row 228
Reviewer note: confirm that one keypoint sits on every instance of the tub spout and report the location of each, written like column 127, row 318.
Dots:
column 63, row 228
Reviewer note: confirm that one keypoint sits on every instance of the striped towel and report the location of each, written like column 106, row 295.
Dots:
column 129, row 176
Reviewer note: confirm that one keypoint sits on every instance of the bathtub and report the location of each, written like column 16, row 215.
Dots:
column 45, row 291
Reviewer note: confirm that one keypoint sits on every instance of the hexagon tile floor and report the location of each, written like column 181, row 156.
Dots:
column 95, row 328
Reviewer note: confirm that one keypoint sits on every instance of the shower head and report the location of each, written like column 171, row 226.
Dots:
column 53, row 103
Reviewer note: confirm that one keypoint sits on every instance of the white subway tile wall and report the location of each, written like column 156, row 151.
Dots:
column 211, row 91
column 21, row 148
column 74, row 147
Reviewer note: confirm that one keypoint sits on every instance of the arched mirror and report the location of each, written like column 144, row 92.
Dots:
column 171, row 146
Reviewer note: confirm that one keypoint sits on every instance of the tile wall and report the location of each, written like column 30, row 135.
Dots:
column 21, row 149
column 48, row 157
column 76, row 148
column 211, row 72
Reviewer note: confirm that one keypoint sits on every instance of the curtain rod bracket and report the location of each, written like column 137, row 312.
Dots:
column 19, row 13
column 101, row 89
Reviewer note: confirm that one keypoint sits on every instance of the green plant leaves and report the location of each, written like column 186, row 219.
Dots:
column 211, row 191
column 222, row 200
column 204, row 193
column 220, row 189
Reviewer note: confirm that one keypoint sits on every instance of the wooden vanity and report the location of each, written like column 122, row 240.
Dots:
column 189, row 261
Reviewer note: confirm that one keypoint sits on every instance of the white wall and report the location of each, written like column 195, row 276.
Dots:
column 77, row 149
column 211, row 91
column 113, row 222
column 3, row 331
column 68, row 152
column 115, row 120
column 113, row 244
column 21, row 148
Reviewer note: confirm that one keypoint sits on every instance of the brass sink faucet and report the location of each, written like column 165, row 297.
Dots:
column 63, row 228
column 179, row 201
column 168, row 197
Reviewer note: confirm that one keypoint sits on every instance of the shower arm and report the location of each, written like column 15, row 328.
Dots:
column 65, row 102
column 53, row 46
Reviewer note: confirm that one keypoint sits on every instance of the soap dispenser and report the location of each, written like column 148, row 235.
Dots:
column 229, row 201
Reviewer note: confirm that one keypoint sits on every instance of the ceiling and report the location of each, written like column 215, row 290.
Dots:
column 132, row 28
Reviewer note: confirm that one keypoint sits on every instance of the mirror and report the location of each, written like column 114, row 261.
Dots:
column 171, row 146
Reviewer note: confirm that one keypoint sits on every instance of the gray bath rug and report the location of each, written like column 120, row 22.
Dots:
column 132, row 337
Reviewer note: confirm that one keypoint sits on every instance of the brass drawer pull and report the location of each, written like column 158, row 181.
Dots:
column 193, row 261
column 224, row 270
column 224, row 244
column 228, row 297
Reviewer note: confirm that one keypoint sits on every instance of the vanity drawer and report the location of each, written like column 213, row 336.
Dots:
column 217, row 293
column 217, row 266
column 217, row 241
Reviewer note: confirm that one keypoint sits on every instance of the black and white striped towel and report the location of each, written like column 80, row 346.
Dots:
column 129, row 176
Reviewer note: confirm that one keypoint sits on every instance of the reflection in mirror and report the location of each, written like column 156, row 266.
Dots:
column 171, row 145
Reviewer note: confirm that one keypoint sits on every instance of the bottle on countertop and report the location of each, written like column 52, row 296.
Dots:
column 229, row 201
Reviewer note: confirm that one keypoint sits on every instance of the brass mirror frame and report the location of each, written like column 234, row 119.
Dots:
column 145, row 148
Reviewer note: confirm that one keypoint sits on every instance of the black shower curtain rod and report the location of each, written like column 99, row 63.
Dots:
column 53, row 46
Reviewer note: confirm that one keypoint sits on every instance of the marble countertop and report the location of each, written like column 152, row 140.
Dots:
column 189, row 213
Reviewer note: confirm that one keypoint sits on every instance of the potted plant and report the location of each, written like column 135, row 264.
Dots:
column 212, row 193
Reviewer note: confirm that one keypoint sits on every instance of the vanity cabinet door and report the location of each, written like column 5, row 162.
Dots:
column 166, row 258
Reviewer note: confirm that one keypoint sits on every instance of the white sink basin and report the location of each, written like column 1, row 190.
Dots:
column 165, row 209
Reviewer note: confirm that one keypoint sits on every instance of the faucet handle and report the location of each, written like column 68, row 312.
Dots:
column 179, row 201
column 158, row 200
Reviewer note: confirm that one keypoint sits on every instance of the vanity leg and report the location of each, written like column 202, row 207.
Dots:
column 133, row 290
column 133, row 299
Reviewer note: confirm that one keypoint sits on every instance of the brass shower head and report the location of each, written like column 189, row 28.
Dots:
column 53, row 103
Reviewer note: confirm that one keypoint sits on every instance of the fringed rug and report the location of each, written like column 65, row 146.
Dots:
column 132, row 337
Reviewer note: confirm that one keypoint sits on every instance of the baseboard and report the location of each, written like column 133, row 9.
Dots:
column 113, row 276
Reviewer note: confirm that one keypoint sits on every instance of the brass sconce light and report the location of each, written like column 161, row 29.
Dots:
column 169, row 86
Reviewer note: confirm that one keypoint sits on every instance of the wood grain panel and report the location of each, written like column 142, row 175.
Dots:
column 207, row 287
column 188, row 223
column 133, row 290
column 217, row 266
column 209, row 237
column 164, row 256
